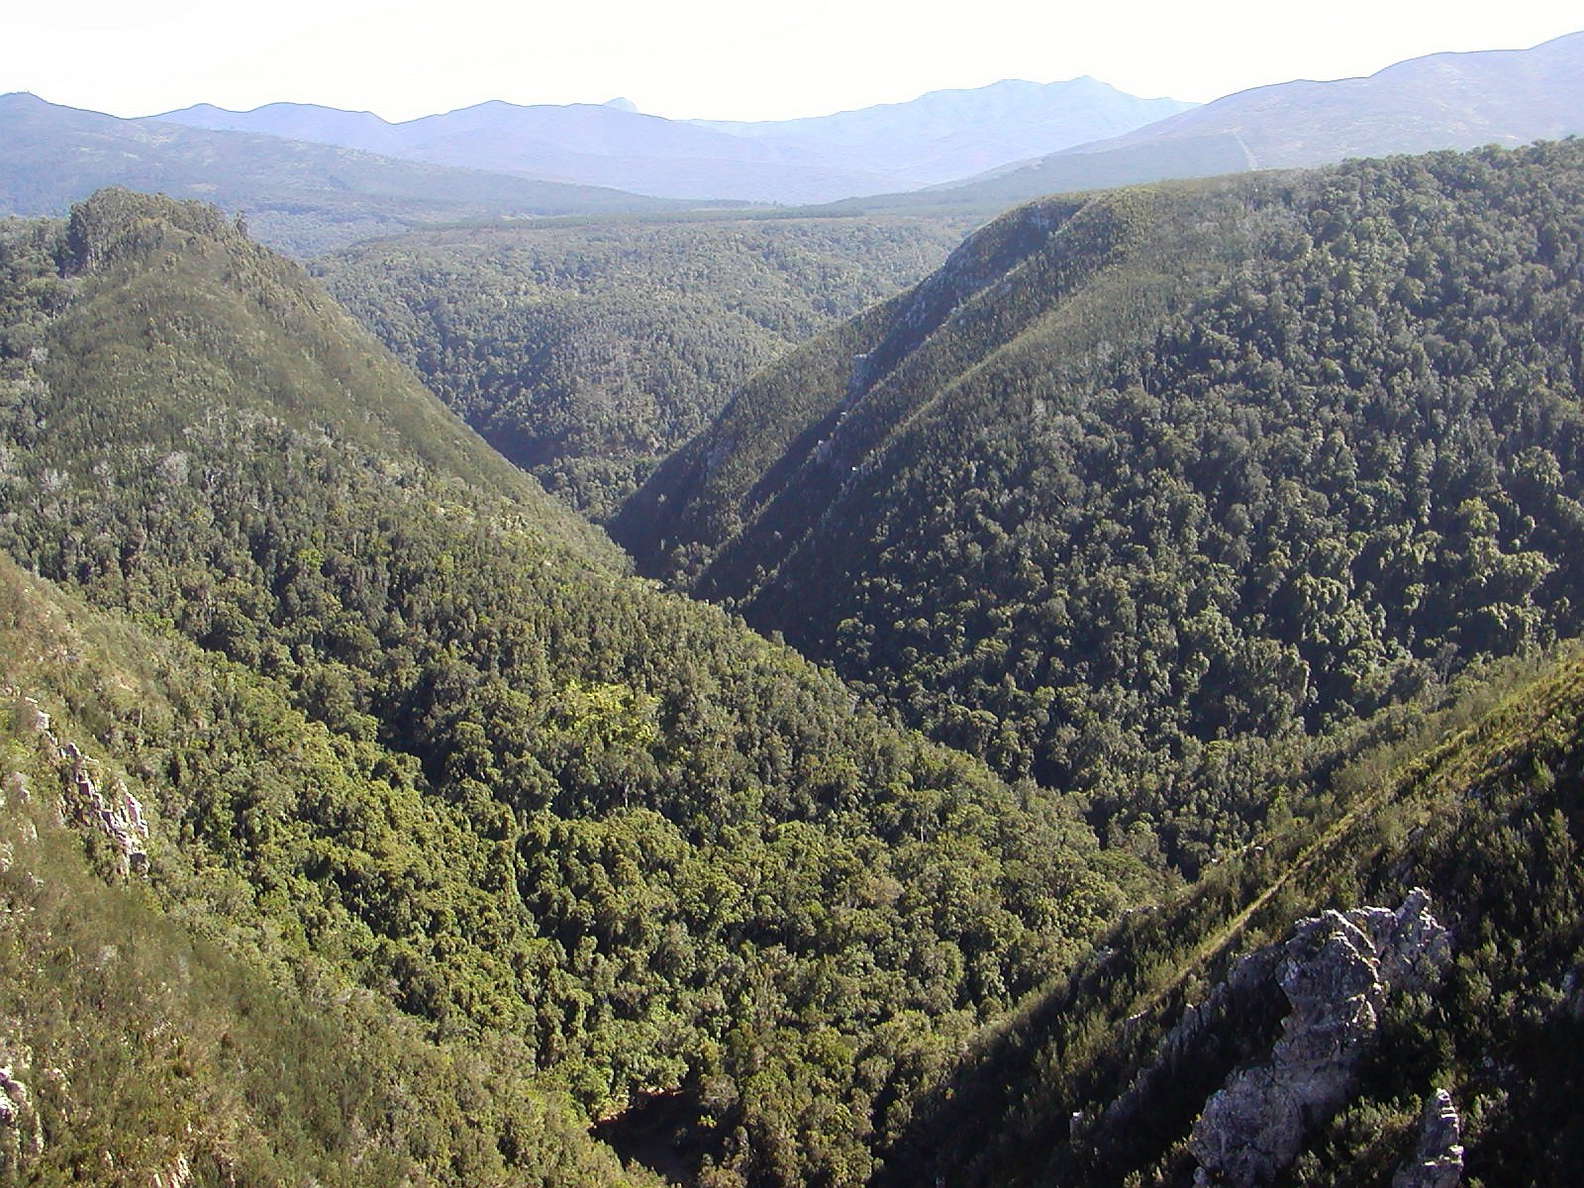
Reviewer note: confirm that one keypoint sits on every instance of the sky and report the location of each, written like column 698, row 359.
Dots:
column 719, row 59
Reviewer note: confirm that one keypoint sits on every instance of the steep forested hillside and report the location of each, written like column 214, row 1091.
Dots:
column 1140, row 489
column 588, row 353
column 1479, row 803
column 241, row 341
column 194, row 879
column 441, row 751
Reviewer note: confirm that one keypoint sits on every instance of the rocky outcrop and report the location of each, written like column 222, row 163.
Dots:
column 1337, row 971
column 1437, row 1162
column 21, row 1132
column 178, row 1175
column 30, row 719
column 113, row 810
column 1211, row 1034
column 118, row 815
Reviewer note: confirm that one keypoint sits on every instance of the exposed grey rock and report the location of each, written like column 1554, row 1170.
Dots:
column 31, row 719
column 178, row 1175
column 118, row 815
column 13, row 1098
column 133, row 808
column 21, row 1132
column 1437, row 1162
column 1231, row 1002
column 1338, row 971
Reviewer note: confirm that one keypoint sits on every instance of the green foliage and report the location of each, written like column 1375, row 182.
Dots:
column 541, row 804
column 1213, row 503
column 208, row 1014
column 587, row 354
column 1482, row 807
column 1137, row 492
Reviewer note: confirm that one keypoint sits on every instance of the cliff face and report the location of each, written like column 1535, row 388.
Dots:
column 21, row 1132
column 1437, row 1162
column 1338, row 972
column 89, row 804
column 1333, row 977
column 1432, row 1042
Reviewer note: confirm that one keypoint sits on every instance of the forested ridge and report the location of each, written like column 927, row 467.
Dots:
column 201, row 1017
column 1474, row 796
column 1140, row 490
column 363, row 819
column 572, row 813
column 587, row 353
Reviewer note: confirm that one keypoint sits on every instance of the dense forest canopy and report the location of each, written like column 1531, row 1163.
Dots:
column 609, row 825
column 1477, row 801
column 1228, row 530
column 1138, row 487
column 588, row 353
column 201, row 1017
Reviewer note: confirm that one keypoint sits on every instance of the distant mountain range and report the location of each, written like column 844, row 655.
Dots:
column 947, row 135
column 1442, row 101
column 1458, row 101
column 312, row 179
column 939, row 137
column 298, row 196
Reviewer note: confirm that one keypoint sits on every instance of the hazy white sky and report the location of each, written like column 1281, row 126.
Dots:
column 728, row 59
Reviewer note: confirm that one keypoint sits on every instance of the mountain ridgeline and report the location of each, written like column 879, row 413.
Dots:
column 1466, row 830
column 298, row 197
column 600, row 846
column 1440, row 101
column 938, row 137
column 586, row 354
column 1140, row 489
column 1190, row 788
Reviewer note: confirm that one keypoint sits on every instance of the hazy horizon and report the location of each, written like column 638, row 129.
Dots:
column 709, row 59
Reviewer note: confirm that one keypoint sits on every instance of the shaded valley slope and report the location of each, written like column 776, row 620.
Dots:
column 588, row 353
column 1141, row 487
column 438, row 755
column 1454, row 1055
